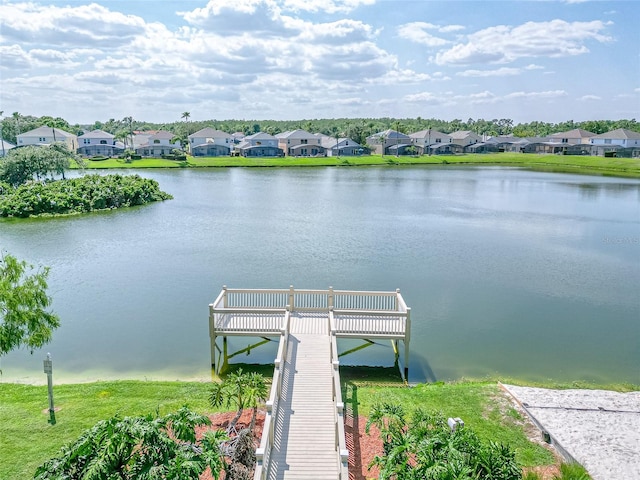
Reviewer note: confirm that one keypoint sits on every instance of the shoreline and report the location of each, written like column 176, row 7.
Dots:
column 628, row 168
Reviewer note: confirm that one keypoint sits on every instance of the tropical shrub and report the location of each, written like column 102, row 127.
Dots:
column 140, row 447
column 79, row 195
column 426, row 448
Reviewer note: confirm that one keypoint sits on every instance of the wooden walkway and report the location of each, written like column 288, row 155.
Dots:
column 304, row 442
column 303, row 435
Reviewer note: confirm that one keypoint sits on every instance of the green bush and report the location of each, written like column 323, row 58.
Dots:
column 427, row 448
column 79, row 195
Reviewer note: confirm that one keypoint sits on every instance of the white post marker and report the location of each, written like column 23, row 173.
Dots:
column 48, row 369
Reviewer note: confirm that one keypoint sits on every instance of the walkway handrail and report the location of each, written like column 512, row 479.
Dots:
column 340, row 440
column 263, row 452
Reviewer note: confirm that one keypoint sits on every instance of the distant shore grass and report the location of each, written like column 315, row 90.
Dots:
column 589, row 165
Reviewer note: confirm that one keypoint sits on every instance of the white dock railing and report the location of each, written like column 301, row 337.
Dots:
column 340, row 439
column 356, row 313
column 263, row 452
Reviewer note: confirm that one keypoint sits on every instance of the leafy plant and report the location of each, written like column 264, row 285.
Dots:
column 24, row 318
column 149, row 447
column 426, row 448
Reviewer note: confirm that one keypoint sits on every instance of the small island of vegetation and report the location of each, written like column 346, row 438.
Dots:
column 28, row 186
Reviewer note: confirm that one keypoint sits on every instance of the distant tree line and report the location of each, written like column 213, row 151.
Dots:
column 356, row 128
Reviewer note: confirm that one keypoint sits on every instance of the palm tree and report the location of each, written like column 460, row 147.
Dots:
column 243, row 390
column 128, row 121
column 186, row 116
column 16, row 117
column 335, row 133
column 1, row 136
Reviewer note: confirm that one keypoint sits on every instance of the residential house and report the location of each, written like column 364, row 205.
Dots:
column 428, row 141
column 158, row 144
column 5, row 147
column 340, row 146
column 508, row 143
column 616, row 143
column 259, row 145
column 382, row 142
column 46, row 136
column 482, row 147
column 99, row 142
column 576, row 136
column 465, row 137
column 210, row 142
column 300, row 143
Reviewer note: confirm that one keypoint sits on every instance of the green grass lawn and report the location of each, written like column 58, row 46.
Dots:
column 27, row 440
column 623, row 167
column 482, row 406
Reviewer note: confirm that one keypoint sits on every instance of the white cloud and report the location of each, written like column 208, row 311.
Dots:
column 500, row 72
column 338, row 32
column 451, row 28
column 83, row 26
column 327, row 6
column 587, row 98
column 417, row 33
column 428, row 98
column 536, row 95
column 402, row 77
column 501, row 44
column 533, row 66
column 14, row 57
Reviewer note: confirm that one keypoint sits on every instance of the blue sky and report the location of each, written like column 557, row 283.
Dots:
column 293, row 59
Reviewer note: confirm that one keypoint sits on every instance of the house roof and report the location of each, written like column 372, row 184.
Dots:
column 97, row 134
column 162, row 134
column 45, row 131
column 299, row 133
column 390, row 134
column 260, row 136
column 209, row 132
column 619, row 134
column 460, row 134
column 329, row 142
column 575, row 133
column 429, row 132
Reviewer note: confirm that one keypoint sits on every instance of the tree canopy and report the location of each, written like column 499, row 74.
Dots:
column 427, row 448
column 35, row 162
column 24, row 316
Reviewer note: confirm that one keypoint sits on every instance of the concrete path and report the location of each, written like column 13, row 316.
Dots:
column 600, row 429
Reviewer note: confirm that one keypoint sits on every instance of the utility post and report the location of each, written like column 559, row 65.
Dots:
column 48, row 369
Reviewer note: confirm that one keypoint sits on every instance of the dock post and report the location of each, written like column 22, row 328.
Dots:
column 225, row 354
column 407, row 338
column 212, row 337
column 291, row 295
column 330, row 298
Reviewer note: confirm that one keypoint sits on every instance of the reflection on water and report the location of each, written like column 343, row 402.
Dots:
column 523, row 274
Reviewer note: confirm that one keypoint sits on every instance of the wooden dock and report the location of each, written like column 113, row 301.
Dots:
column 303, row 435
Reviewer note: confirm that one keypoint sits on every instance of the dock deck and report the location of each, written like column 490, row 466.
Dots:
column 303, row 435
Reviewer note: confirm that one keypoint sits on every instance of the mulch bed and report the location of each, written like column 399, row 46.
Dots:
column 362, row 447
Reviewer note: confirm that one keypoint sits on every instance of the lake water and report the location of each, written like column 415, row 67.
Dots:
column 508, row 272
